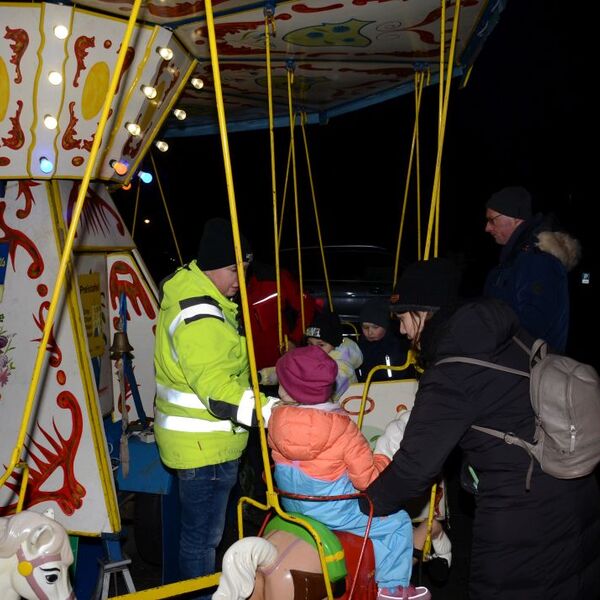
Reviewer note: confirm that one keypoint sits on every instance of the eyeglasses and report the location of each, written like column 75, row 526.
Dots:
column 491, row 220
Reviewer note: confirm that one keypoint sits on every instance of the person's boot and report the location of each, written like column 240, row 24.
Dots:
column 410, row 592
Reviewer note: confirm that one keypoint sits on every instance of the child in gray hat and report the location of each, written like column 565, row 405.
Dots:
column 379, row 345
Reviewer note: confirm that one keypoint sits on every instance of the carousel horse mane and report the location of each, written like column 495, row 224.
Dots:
column 278, row 567
column 35, row 556
column 240, row 564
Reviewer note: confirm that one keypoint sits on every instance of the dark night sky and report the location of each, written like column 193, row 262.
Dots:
column 520, row 120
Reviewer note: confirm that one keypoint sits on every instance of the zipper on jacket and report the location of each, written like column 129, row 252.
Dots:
column 572, row 427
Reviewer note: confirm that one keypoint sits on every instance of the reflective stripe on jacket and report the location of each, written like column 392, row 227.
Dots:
column 203, row 396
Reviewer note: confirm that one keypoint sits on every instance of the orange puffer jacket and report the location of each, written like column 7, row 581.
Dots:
column 325, row 444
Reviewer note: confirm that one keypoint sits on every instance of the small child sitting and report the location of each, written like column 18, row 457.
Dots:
column 379, row 346
column 319, row 451
column 325, row 331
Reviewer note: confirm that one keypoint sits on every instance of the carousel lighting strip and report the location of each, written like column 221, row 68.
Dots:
column 151, row 135
column 120, row 116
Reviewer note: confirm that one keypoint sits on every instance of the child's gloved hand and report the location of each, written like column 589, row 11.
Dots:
column 389, row 441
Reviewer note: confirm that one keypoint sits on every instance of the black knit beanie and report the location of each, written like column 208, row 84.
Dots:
column 326, row 326
column 427, row 285
column 512, row 201
column 216, row 249
column 376, row 311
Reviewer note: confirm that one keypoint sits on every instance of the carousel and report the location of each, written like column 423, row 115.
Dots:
column 88, row 90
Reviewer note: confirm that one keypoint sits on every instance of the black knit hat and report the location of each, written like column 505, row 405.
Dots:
column 512, row 201
column 216, row 249
column 427, row 285
column 326, row 326
column 376, row 311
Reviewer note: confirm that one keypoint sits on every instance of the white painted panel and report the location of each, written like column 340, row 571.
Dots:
column 125, row 276
column 65, row 470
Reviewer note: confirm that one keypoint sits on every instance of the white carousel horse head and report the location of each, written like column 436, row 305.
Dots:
column 35, row 556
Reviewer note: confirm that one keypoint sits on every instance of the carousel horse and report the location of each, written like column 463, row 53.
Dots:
column 35, row 556
column 285, row 565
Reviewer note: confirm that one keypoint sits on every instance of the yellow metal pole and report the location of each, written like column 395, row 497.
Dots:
column 285, row 186
column 314, row 201
column 437, row 175
column 413, row 146
column 214, row 57
column 442, row 66
column 292, row 117
column 269, row 24
column 23, row 487
column 68, row 247
column 427, row 542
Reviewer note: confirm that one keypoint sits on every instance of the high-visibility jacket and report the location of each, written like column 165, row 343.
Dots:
column 204, row 401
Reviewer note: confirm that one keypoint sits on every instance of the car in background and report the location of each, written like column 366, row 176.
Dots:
column 357, row 273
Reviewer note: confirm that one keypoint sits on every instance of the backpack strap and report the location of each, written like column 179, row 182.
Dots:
column 512, row 439
column 482, row 363
column 508, row 438
column 537, row 352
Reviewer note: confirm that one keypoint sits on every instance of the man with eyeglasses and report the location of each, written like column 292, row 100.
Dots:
column 535, row 259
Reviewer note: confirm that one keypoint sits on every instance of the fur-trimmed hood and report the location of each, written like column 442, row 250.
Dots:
column 561, row 245
column 543, row 232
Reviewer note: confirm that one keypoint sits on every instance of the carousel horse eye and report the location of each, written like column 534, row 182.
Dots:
column 53, row 578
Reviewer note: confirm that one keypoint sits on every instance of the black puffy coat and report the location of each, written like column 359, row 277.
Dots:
column 374, row 353
column 534, row 545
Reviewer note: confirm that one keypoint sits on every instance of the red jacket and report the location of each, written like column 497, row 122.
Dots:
column 262, row 300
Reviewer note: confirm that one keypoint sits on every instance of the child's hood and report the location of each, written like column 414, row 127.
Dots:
column 305, row 432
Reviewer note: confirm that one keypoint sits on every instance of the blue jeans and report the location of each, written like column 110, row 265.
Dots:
column 203, row 495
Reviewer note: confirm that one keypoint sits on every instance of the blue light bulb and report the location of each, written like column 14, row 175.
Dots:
column 46, row 166
column 145, row 176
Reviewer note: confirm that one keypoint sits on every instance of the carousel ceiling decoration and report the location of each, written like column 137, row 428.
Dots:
column 56, row 63
column 344, row 54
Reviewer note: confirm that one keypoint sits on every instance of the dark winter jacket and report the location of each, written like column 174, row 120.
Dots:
column 374, row 353
column 534, row 545
column 532, row 279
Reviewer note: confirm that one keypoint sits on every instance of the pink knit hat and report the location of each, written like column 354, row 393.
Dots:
column 307, row 374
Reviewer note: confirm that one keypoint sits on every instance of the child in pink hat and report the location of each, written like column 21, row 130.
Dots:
column 319, row 451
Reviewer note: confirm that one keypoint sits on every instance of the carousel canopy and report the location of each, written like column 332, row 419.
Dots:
column 56, row 61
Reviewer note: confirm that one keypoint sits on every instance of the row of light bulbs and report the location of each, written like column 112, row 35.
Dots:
column 120, row 167
column 50, row 122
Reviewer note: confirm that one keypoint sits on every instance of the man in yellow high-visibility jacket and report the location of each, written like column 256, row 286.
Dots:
column 204, row 402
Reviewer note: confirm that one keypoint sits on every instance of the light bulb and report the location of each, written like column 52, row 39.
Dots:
column 197, row 83
column 146, row 221
column 55, row 78
column 61, row 32
column 145, row 176
column 162, row 146
column 119, row 166
column 50, row 122
column 126, row 187
column 149, row 91
column 133, row 128
column 180, row 114
column 46, row 166
column 165, row 53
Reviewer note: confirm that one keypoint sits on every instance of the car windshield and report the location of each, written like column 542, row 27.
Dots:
column 358, row 263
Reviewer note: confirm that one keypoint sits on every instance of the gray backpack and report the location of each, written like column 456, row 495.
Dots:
column 565, row 397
